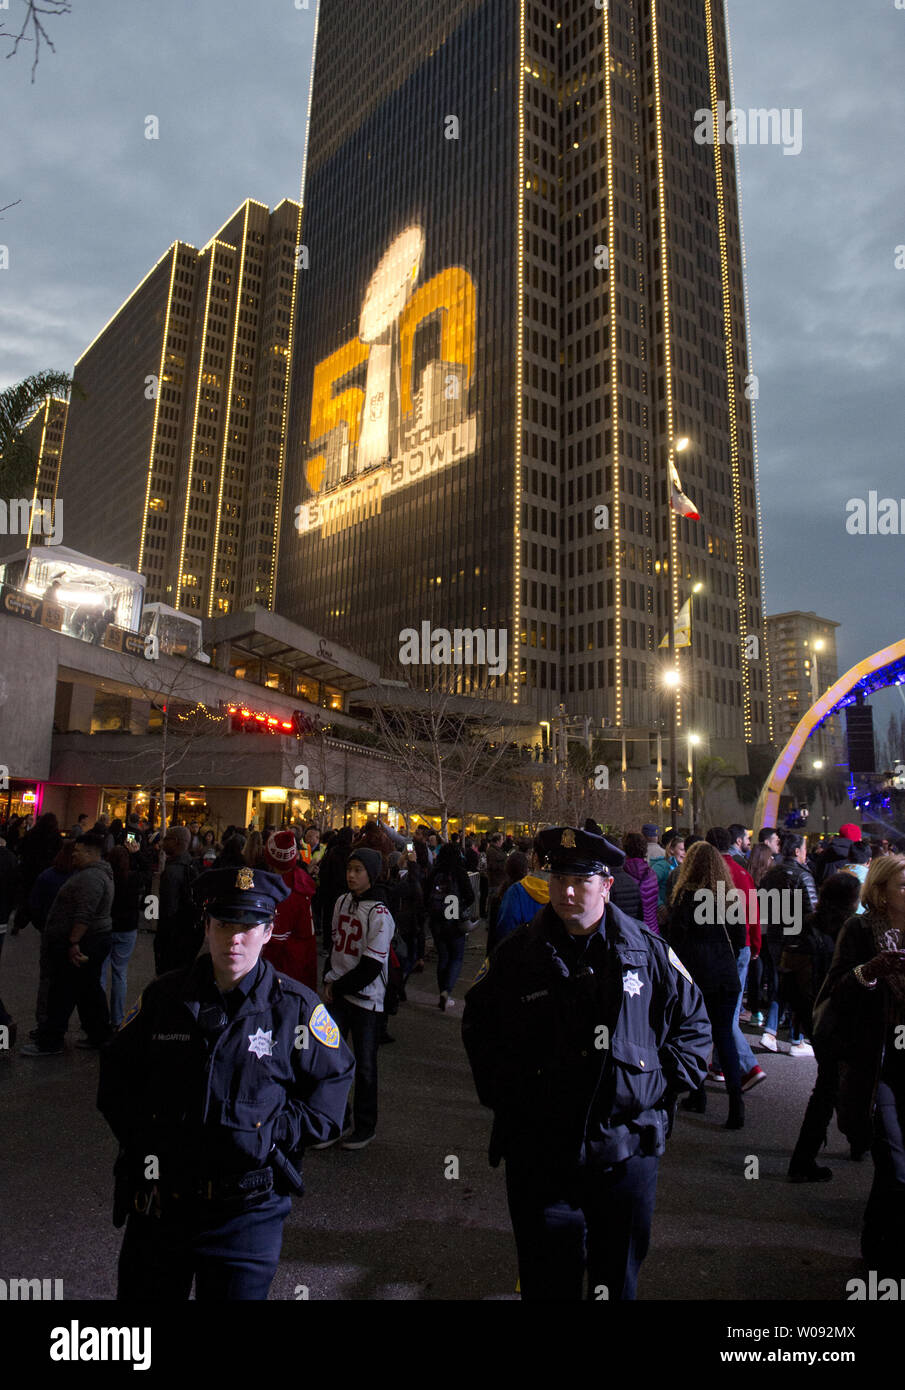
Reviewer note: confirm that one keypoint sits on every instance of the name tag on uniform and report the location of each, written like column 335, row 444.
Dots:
column 538, row 994
column 170, row 1037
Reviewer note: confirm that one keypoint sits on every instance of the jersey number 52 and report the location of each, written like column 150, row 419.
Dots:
column 348, row 934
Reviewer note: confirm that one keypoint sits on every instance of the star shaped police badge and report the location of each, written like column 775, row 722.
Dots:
column 261, row 1044
column 631, row 984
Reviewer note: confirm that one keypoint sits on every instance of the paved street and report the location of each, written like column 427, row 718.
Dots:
column 387, row 1224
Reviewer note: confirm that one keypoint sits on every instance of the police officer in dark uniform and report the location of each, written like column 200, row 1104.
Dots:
column 218, row 1080
column 581, row 1030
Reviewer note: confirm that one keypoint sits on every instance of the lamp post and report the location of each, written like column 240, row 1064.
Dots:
column 693, row 741
column 671, row 681
column 815, row 684
column 692, row 689
column 818, row 768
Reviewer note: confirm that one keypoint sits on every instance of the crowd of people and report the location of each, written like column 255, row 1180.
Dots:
column 374, row 903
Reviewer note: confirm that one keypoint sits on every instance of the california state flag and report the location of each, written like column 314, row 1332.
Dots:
column 677, row 499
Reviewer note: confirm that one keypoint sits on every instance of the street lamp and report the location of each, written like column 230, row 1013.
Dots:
column 818, row 768
column 817, row 646
column 693, row 741
column 672, row 682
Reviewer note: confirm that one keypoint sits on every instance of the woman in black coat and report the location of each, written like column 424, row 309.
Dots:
column 860, row 1018
column 708, row 949
column 448, row 880
column 37, row 851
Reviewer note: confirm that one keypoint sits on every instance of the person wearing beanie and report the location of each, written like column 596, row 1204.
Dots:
column 356, row 979
column 654, row 849
column 292, row 948
column 850, row 832
column 639, row 869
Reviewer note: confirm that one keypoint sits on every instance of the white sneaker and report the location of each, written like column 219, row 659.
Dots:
column 768, row 1040
column 801, row 1049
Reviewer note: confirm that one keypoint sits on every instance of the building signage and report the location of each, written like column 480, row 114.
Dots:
column 118, row 639
column 374, row 440
column 33, row 610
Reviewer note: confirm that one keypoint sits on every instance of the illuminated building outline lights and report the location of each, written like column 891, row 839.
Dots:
column 227, row 417
column 730, row 381
column 202, row 357
column 174, row 251
column 519, row 365
column 614, row 374
column 34, row 500
column 759, row 520
column 281, row 466
column 667, row 345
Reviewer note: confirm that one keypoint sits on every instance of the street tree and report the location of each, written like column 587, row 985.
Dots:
column 33, row 28
column 447, row 748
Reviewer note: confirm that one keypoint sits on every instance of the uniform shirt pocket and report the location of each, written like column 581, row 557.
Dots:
column 639, row 1077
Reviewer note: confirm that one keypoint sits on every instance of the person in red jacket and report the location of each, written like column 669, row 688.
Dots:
column 718, row 836
column 292, row 948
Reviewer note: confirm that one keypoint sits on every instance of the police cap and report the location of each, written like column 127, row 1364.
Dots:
column 567, row 850
column 240, row 894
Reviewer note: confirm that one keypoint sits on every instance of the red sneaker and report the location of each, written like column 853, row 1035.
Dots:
column 752, row 1077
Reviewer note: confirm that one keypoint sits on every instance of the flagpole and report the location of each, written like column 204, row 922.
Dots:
column 673, row 768
column 691, row 705
column 696, row 589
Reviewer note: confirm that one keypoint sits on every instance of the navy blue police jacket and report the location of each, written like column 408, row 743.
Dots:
column 581, row 1048
column 211, row 1092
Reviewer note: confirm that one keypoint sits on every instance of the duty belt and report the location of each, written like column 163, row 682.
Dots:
column 149, row 1202
column 237, row 1185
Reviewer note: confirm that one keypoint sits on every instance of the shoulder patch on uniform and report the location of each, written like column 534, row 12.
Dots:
column 483, row 970
column 133, row 1013
column 322, row 1026
column 677, row 964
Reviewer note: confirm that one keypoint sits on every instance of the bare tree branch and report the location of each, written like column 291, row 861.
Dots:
column 446, row 747
column 33, row 20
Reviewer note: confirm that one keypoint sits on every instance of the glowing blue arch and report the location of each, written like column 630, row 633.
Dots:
column 886, row 667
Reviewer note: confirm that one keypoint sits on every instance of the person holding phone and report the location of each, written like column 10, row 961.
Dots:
column 861, row 1010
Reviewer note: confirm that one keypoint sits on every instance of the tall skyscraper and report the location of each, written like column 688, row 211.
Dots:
column 524, row 290
column 803, row 666
column 173, row 463
column 44, row 433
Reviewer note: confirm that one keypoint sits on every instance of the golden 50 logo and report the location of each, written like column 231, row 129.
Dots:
column 370, row 442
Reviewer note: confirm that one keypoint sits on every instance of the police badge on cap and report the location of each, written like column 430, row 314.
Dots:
column 241, row 895
column 564, row 849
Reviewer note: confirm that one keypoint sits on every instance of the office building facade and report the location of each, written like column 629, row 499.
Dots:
column 173, row 464
column 524, row 288
column 44, row 434
column 803, row 666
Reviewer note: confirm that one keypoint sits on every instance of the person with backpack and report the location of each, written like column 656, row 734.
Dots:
column 355, row 983
column 448, row 896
